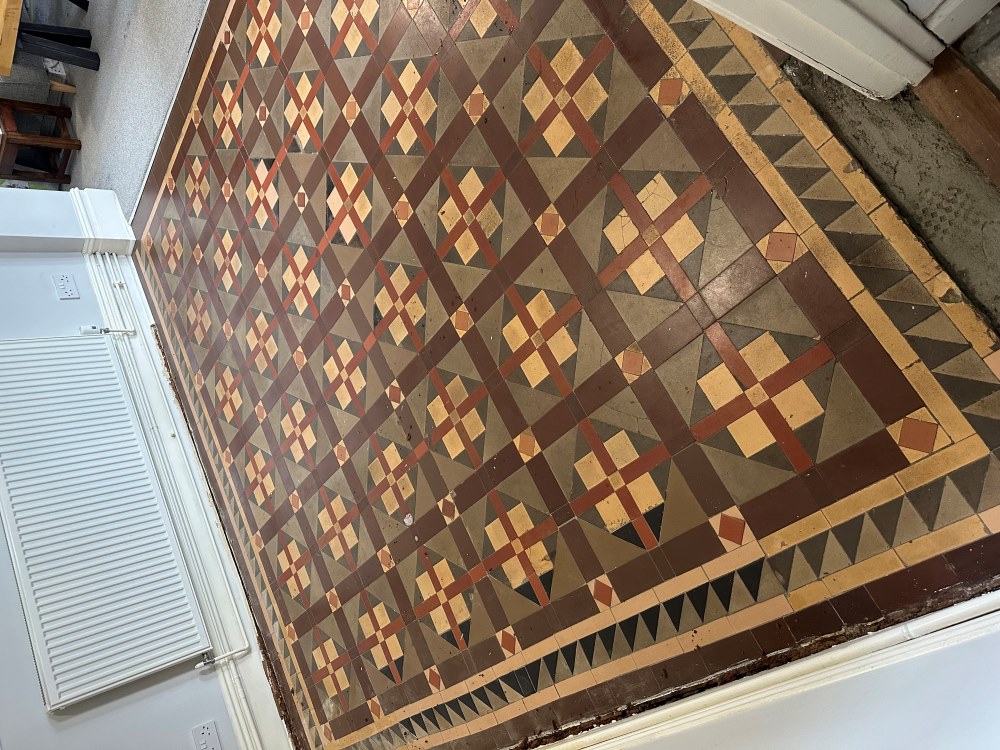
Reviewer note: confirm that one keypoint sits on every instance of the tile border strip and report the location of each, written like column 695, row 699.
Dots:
column 845, row 582
column 885, row 217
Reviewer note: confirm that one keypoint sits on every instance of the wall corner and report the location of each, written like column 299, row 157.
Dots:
column 105, row 228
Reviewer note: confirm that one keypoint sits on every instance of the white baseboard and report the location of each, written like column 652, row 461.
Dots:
column 877, row 48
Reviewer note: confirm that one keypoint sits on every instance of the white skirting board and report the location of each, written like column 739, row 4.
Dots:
column 878, row 54
column 952, row 18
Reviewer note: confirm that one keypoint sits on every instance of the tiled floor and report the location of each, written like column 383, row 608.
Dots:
column 550, row 356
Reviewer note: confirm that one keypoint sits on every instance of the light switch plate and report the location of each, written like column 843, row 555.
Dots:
column 66, row 286
column 206, row 736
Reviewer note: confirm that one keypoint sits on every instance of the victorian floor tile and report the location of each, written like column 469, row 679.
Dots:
column 544, row 356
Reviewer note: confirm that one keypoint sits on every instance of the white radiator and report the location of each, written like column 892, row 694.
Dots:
column 106, row 597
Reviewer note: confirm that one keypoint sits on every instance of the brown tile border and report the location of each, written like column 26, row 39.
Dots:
column 936, row 583
column 876, row 580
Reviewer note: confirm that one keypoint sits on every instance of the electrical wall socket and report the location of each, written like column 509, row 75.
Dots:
column 206, row 736
column 66, row 286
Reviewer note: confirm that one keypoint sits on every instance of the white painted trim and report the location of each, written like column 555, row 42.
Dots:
column 922, row 8
column 952, row 18
column 105, row 229
column 878, row 47
column 46, row 221
column 879, row 53
column 896, row 19
column 216, row 580
column 961, row 622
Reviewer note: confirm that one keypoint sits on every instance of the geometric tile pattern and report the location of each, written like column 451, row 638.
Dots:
column 549, row 356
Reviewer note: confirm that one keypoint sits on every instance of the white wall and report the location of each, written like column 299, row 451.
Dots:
column 29, row 307
column 156, row 713
column 944, row 699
